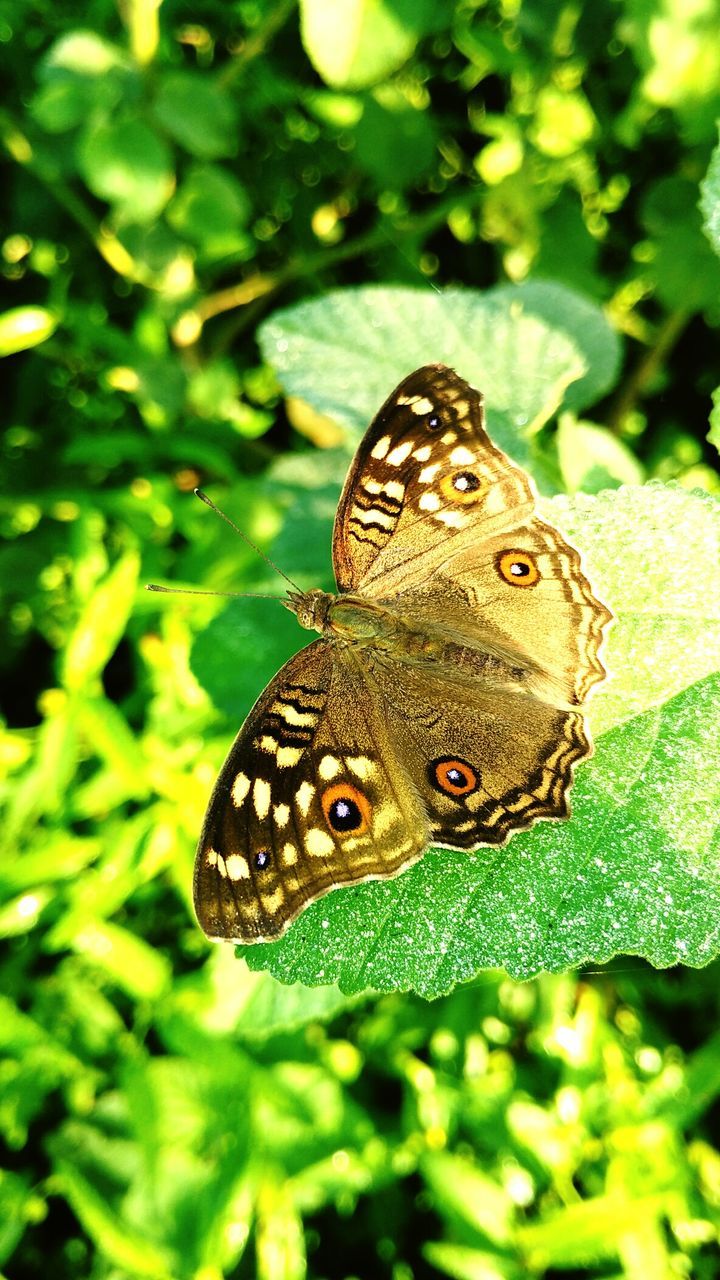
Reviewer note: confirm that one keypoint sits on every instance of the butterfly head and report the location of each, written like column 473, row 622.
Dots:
column 310, row 607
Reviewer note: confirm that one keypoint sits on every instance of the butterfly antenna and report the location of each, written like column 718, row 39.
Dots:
column 209, row 503
column 193, row 591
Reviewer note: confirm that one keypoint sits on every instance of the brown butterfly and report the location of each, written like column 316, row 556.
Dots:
column 443, row 703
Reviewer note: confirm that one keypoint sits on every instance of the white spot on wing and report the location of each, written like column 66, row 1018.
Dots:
column 394, row 489
column 361, row 766
column 291, row 716
column 289, row 854
column 329, row 767
column 288, row 757
column 461, row 456
column 281, row 813
column 429, row 502
column 237, row 867
column 422, row 406
column 381, row 448
column 453, row 519
column 428, row 473
column 374, row 516
column 240, row 788
column 318, row 843
column 400, row 453
column 304, row 795
column 261, row 798
column 423, row 454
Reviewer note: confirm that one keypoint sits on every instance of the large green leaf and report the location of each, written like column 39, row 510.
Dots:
column 528, row 347
column 635, row 868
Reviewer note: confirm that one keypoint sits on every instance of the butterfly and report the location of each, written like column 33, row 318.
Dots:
column 442, row 704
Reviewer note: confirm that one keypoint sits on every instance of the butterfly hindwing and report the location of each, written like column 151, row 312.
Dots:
column 487, row 760
column 521, row 595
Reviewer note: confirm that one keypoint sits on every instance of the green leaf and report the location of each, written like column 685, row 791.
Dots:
column 710, row 200
column 464, row 1263
column 395, row 142
column 355, row 43
column 592, row 1231
column 198, row 114
column 106, row 729
column 464, row 1192
column 134, row 1253
column 714, row 432
column 130, row 962
column 81, row 74
column 128, row 164
column 19, row 1206
column 240, row 643
column 210, row 209
column 634, row 869
column 25, row 327
column 82, row 53
column 528, row 347
column 684, row 268
column 101, row 624
column 221, row 1000
column 592, row 458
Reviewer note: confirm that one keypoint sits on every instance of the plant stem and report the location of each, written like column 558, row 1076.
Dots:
column 648, row 367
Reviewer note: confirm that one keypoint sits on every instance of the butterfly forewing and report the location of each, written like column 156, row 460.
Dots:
column 425, row 478
column 302, row 804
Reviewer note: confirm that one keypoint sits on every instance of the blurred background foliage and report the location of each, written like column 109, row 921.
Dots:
column 172, row 174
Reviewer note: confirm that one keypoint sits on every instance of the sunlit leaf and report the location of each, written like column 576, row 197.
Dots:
column 25, row 327
column 529, row 348
column 101, row 624
column 355, row 43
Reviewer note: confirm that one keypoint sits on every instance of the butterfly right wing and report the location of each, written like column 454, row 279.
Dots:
column 426, row 479
column 310, row 798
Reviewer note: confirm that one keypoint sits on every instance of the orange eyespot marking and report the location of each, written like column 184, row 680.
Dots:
column 518, row 568
column 454, row 777
column 464, row 487
column 346, row 809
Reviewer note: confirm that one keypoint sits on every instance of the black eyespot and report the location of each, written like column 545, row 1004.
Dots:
column 262, row 860
column 454, row 776
column 466, row 482
column 434, row 422
column 344, row 815
column 518, row 568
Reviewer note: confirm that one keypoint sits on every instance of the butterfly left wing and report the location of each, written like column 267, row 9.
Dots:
column 311, row 797
column 426, row 477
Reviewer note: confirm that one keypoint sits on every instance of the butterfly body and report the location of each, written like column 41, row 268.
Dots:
column 443, row 702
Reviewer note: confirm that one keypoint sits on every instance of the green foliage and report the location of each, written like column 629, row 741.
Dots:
column 227, row 229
